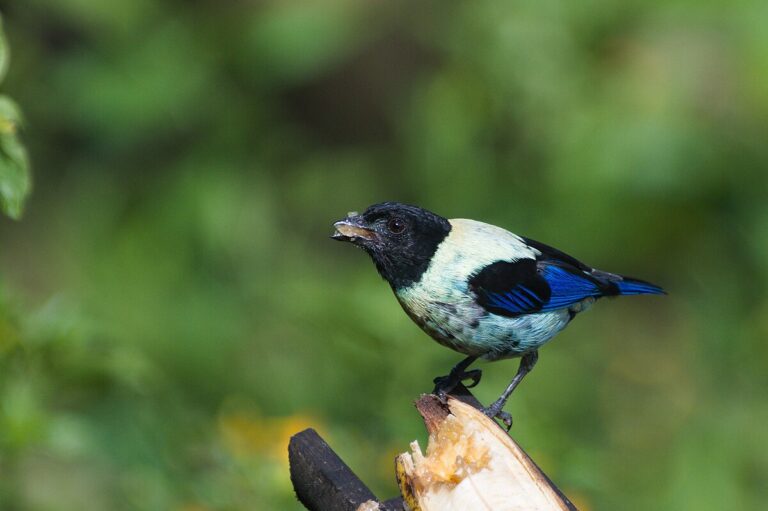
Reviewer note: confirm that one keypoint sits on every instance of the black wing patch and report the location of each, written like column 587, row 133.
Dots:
column 552, row 254
column 510, row 288
column 526, row 286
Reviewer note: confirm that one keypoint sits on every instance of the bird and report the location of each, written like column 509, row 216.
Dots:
column 477, row 288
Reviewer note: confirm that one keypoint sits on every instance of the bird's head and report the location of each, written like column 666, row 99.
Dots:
column 401, row 239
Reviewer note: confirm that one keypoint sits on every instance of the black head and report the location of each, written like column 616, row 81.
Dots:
column 401, row 239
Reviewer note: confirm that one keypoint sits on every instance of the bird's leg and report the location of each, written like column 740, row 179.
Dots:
column 445, row 384
column 495, row 410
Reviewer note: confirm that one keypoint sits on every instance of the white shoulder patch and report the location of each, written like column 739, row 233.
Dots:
column 488, row 242
column 470, row 246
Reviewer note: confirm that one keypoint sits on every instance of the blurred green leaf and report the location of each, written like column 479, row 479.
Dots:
column 4, row 53
column 15, row 182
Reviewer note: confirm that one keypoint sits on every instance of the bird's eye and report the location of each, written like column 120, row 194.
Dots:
column 396, row 225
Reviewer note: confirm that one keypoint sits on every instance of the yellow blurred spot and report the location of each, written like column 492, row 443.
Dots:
column 578, row 500
column 247, row 434
column 387, row 460
column 7, row 127
column 9, row 336
column 193, row 507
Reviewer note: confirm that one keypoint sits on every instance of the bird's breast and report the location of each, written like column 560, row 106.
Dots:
column 446, row 315
column 444, row 306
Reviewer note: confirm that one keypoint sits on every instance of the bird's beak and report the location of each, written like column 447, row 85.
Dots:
column 353, row 229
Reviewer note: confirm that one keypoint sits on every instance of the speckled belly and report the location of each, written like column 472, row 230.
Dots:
column 464, row 326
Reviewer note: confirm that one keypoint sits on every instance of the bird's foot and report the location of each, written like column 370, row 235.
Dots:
column 445, row 384
column 495, row 412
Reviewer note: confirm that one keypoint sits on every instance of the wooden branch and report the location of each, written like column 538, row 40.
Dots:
column 322, row 481
column 471, row 463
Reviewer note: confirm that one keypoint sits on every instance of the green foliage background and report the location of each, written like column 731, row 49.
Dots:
column 171, row 309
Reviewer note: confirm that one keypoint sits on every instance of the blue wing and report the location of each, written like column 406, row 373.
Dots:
column 526, row 286
column 567, row 286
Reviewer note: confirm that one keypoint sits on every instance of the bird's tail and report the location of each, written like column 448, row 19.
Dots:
column 631, row 286
column 614, row 284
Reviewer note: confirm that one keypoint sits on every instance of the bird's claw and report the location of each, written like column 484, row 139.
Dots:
column 442, row 388
column 506, row 418
column 474, row 375
column 445, row 384
column 495, row 413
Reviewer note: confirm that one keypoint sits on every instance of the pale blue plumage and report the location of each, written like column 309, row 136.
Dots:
column 477, row 288
column 488, row 293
